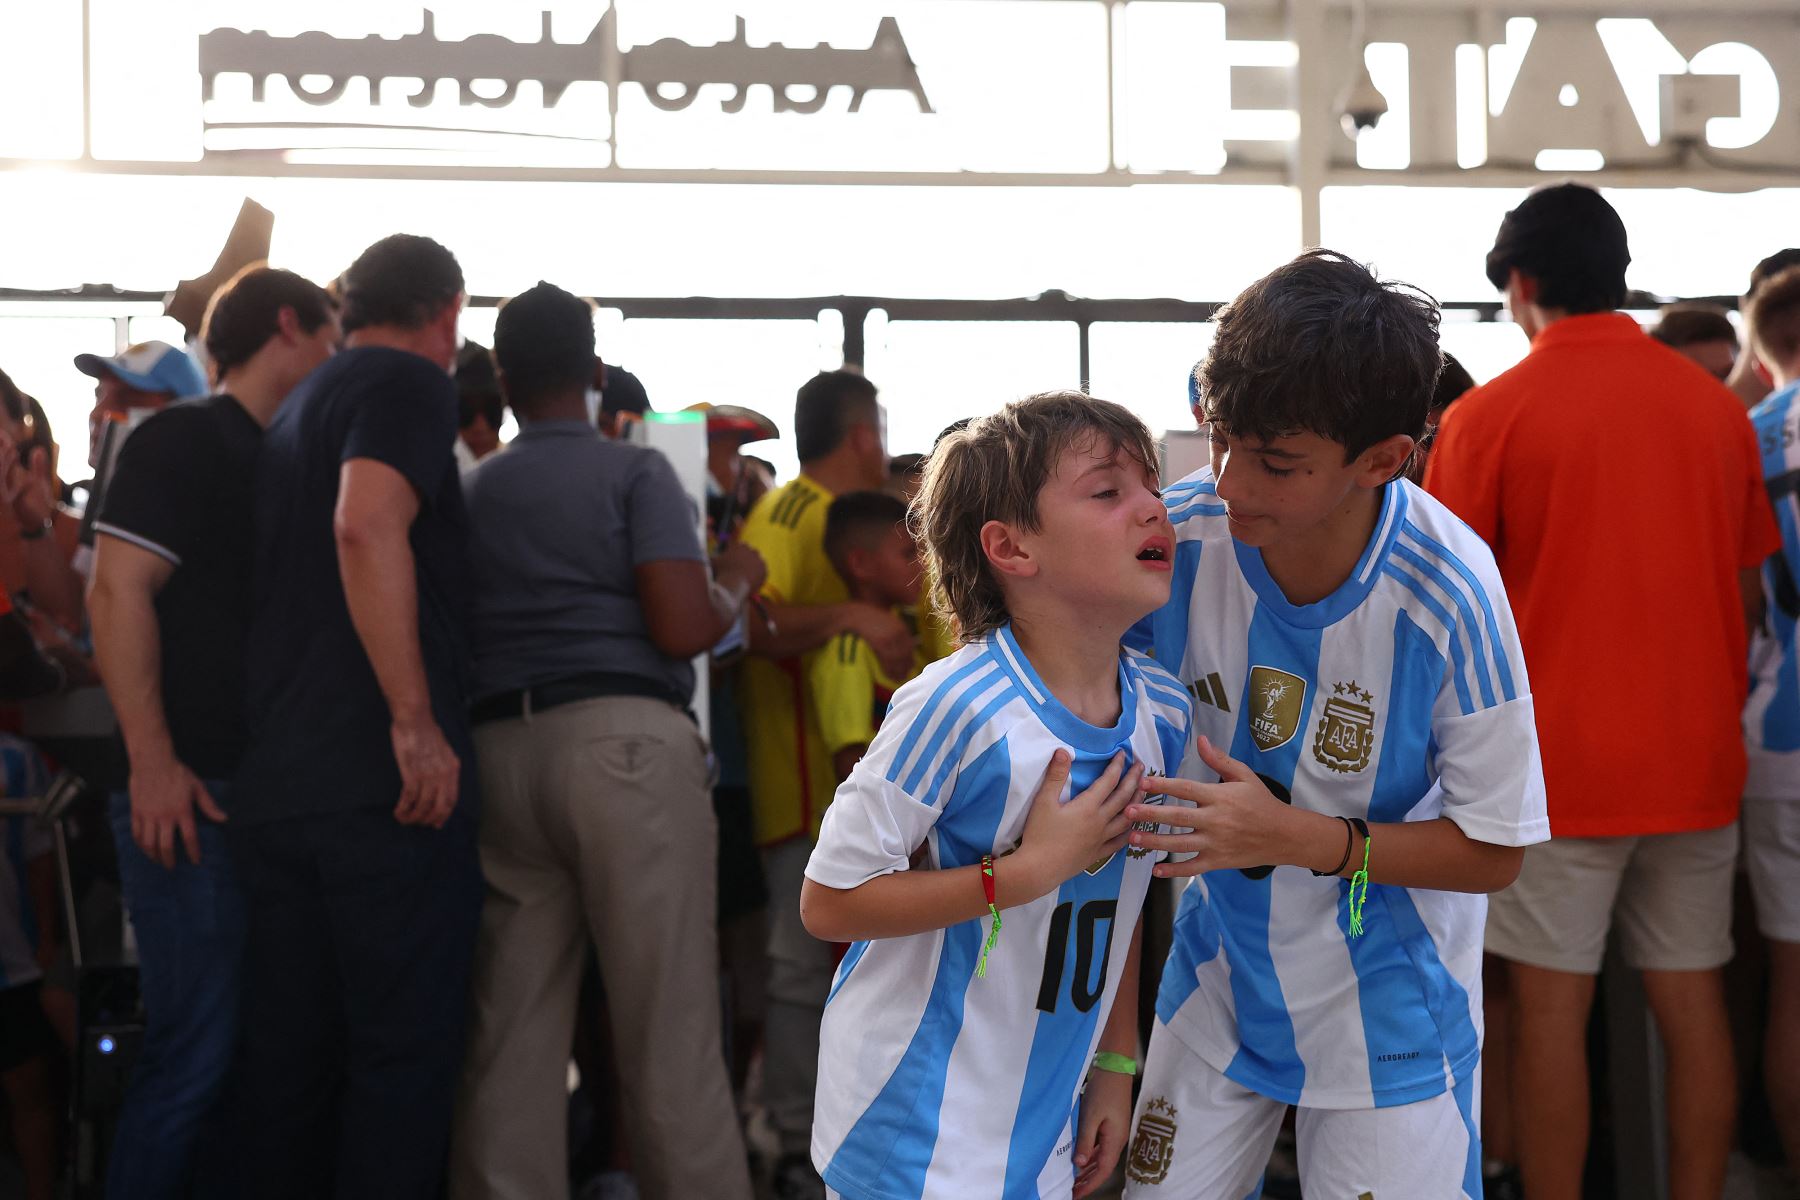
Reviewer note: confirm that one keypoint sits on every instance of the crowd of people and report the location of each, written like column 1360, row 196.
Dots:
column 437, row 885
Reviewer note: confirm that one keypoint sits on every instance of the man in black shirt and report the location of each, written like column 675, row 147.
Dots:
column 354, row 827
column 170, row 605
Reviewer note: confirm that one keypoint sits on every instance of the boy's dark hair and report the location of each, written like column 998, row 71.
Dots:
column 858, row 520
column 245, row 313
column 1571, row 241
column 623, row 393
column 825, row 408
column 1774, row 318
column 1681, row 325
column 403, row 280
column 1772, row 266
column 1320, row 345
column 1452, row 383
column 544, row 345
column 477, row 388
column 992, row 470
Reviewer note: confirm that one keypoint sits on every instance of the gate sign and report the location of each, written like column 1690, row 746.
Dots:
column 985, row 90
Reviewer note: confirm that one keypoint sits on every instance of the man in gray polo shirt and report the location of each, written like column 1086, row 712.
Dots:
column 591, row 596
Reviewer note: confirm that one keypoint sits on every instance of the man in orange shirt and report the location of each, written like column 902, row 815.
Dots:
column 1619, row 486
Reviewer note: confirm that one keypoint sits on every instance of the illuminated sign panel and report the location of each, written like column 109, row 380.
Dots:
column 1127, row 90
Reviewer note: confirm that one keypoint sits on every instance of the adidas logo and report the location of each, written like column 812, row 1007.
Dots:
column 1210, row 690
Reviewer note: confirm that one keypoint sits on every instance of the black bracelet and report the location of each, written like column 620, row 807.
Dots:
column 1349, row 842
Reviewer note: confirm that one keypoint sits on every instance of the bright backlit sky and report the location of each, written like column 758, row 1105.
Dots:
column 1202, row 242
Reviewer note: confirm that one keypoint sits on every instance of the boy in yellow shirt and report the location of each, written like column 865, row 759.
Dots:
column 875, row 554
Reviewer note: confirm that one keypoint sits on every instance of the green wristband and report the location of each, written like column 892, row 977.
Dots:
column 1118, row 1064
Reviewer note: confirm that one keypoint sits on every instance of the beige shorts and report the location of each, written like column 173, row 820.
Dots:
column 1668, row 893
column 1772, row 859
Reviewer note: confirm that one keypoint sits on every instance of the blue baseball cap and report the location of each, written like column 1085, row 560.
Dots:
column 149, row 367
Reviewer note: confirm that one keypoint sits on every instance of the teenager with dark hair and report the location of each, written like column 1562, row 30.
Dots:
column 170, row 605
column 1619, row 487
column 352, row 822
column 1366, row 716
column 591, row 595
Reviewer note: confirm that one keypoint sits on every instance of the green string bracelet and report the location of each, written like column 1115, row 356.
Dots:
column 987, row 890
column 1360, row 879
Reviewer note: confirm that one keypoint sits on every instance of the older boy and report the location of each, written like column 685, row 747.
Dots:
column 1364, row 705
column 953, row 1066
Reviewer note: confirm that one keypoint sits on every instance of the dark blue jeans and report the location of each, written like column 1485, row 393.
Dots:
column 190, row 925
column 356, row 990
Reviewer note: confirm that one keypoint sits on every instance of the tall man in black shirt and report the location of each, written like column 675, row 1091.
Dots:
column 355, row 830
column 170, row 605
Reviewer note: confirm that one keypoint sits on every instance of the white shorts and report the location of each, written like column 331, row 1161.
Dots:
column 1196, row 1135
column 1772, row 858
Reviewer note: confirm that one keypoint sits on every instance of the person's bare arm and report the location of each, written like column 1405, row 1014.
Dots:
column 845, row 758
column 686, row 608
column 128, row 652
column 1105, row 1121
column 1237, row 824
column 1059, row 840
column 795, row 629
column 376, row 506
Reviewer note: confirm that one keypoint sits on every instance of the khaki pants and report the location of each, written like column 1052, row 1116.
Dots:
column 596, row 822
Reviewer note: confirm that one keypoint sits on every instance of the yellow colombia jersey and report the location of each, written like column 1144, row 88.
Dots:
column 791, row 779
column 850, row 691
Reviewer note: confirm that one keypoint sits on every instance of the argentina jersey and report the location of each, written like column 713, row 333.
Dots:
column 1402, row 696
column 933, row 1082
column 1772, row 715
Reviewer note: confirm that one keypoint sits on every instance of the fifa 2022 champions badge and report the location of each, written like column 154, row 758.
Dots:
column 1153, row 1145
column 1277, row 705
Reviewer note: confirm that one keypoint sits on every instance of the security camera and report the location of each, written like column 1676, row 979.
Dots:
column 1362, row 105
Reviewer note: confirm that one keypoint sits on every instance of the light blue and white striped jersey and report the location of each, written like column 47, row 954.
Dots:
column 933, row 1082
column 22, row 774
column 1402, row 696
column 1772, row 715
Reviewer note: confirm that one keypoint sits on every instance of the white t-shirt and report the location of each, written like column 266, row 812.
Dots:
column 932, row 1081
column 1402, row 696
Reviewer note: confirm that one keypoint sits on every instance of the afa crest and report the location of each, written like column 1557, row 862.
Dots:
column 1153, row 1147
column 1277, row 700
column 1346, row 734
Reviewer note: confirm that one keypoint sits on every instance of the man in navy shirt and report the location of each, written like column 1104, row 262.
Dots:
column 353, row 819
